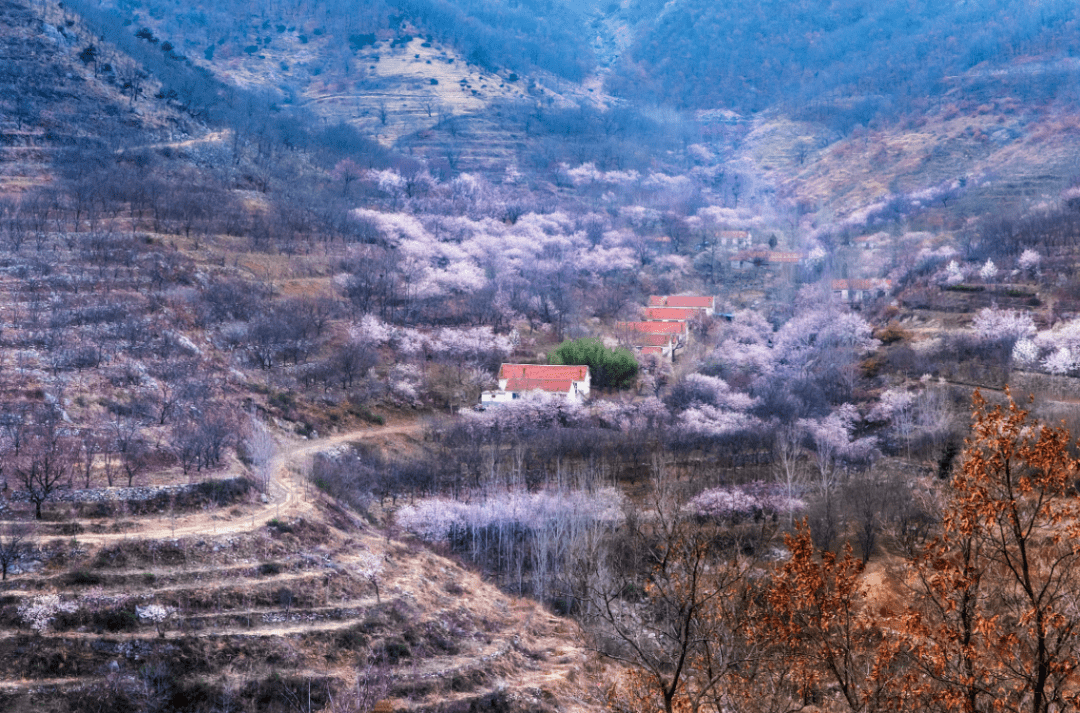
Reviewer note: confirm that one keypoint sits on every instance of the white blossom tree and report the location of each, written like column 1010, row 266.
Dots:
column 370, row 566
column 953, row 275
column 1060, row 362
column 1025, row 352
column 993, row 324
column 39, row 612
column 1029, row 261
column 834, row 443
column 158, row 614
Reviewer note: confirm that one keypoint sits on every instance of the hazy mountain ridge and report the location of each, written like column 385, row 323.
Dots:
column 397, row 71
column 751, row 56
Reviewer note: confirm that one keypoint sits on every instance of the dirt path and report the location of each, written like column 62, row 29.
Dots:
column 288, row 496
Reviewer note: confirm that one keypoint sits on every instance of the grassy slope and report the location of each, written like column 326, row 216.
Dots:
column 260, row 615
column 1014, row 158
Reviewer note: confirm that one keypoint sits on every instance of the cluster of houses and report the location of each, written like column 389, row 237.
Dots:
column 664, row 330
column 666, row 327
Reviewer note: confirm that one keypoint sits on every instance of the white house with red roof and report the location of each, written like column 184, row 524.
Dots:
column 695, row 302
column 860, row 290
column 515, row 380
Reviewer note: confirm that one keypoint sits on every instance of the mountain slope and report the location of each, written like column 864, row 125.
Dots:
column 888, row 56
column 254, row 614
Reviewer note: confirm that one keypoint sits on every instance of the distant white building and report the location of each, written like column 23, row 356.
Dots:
column 685, row 302
column 571, row 382
column 853, row 291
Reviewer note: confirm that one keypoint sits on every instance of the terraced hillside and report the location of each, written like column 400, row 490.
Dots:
column 50, row 103
column 273, row 606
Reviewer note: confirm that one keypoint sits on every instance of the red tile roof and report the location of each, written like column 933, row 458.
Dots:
column 543, row 371
column 670, row 313
column 653, row 350
column 651, row 340
column 563, row 386
column 653, row 327
column 689, row 301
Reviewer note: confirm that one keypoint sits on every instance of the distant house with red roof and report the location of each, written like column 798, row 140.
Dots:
column 671, row 314
column 860, row 290
column 515, row 380
column 675, row 328
column 661, row 338
column 662, row 345
column 695, row 302
column 763, row 256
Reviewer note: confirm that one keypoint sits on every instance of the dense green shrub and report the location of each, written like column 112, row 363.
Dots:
column 610, row 368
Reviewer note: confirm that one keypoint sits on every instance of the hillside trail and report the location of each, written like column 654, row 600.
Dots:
column 288, row 496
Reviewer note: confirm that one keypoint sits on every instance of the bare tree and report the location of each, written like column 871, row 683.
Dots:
column 788, row 450
column 130, row 445
column 90, row 444
column 680, row 635
column 14, row 545
column 44, row 463
column 372, row 685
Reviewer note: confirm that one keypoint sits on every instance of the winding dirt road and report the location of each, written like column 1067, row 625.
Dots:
column 288, row 496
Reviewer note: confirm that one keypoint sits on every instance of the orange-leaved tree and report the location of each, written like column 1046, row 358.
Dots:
column 825, row 631
column 995, row 621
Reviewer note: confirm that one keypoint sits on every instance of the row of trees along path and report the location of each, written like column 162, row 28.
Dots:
column 288, row 493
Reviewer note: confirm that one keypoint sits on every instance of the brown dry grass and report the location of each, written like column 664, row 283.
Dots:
column 464, row 638
column 980, row 142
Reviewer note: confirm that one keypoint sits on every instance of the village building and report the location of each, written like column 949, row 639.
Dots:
column 662, row 338
column 735, row 238
column 516, row 380
column 856, row 291
column 661, row 345
column 671, row 314
column 694, row 302
column 678, row 329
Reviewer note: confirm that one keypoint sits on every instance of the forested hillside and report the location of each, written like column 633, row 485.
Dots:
column 536, row 34
column 851, row 57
